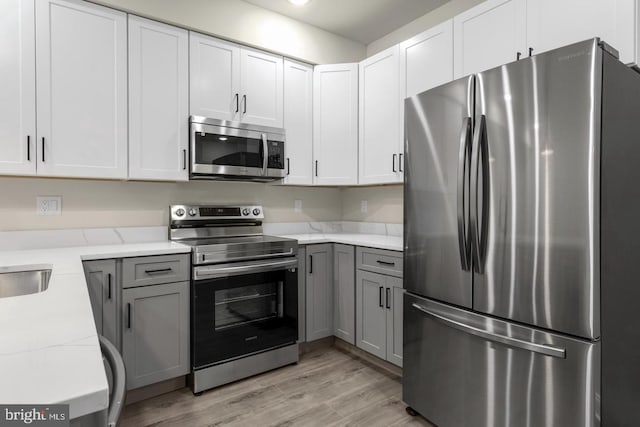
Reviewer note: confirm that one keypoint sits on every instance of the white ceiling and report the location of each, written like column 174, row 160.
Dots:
column 360, row 20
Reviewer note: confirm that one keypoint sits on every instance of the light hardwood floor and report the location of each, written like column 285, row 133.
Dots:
column 328, row 387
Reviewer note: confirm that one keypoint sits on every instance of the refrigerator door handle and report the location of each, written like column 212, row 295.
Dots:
column 462, row 191
column 480, row 152
column 547, row 350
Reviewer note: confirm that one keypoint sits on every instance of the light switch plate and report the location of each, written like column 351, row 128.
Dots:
column 364, row 206
column 297, row 205
column 49, row 205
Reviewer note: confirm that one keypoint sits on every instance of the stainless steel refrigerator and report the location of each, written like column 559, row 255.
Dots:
column 522, row 244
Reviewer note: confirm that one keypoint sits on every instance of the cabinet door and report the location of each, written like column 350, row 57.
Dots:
column 379, row 133
column 394, row 303
column 81, row 76
column 319, row 292
column 298, row 122
column 344, row 269
column 335, row 124
column 488, row 35
column 103, row 293
column 155, row 337
column 158, row 101
column 214, row 78
column 18, row 77
column 552, row 24
column 371, row 315
column 261, row 83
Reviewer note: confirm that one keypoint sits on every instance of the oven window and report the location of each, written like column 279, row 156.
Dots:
column 247, row 304
column 226, row 150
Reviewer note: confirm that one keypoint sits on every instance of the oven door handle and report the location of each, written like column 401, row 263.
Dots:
column 212, row 272
column 203, row 257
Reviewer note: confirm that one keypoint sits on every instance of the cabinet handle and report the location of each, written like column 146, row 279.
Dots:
column 310, row 264
column 388, row 292
column 43, row 149
column 28, row 148
column 184, row 159
column 518, row 55
column 244, row 104
column 109, row 285
column 288, row 166
column 128, row 315
column 316, row 168
column 390, row 264
column 159, row 271
column 380, row 296
column 237, row 102
column 393, row 162
column 400, row 162
column 530, row 51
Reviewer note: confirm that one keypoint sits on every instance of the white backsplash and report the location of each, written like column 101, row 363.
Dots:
column 378, row 228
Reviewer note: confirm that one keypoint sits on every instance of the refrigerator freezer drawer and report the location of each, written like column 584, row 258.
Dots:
column 465, row 369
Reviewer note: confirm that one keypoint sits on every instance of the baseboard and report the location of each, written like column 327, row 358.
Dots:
column 153, row 390
column 367, row 357
column 306, row 347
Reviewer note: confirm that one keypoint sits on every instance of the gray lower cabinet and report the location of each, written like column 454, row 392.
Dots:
column 394, row 320
column 344, row 293
column 155, row 338
column 371, row 315
column 319, row 291
column 104, row 293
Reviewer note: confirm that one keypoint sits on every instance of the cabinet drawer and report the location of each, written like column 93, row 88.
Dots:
column 379, row 261
column 153, row 270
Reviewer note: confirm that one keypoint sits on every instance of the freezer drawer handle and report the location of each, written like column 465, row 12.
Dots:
column 490, row 336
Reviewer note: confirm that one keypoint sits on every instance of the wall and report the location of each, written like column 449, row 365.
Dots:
column 423, row 23
column 89, row 203
column 384, row 204
column 251, row 25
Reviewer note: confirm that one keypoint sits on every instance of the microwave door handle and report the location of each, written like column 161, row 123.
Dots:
column 265, row 153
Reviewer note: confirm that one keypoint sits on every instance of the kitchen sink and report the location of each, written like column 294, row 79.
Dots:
column 24, row 280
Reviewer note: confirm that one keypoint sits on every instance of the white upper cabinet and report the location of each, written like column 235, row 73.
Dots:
column 214, row 81
column 81, row 75
column 426, row 60
column 488, row 35
column 298, row 122
column 335, row 124
column 555, row 23
column 379, row 133
column 18, row 99
column 228, row 82
column 158, row 101
column 261, row 86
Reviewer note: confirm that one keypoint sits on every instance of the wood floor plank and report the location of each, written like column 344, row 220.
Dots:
column 328, row 387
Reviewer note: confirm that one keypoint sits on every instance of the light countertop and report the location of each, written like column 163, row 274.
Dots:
column 49, row 350
column 393, row 243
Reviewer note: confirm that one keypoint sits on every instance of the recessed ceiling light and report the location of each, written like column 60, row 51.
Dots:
column 298, row 2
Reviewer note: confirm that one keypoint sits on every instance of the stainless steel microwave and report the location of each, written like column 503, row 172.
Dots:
column 236, row 151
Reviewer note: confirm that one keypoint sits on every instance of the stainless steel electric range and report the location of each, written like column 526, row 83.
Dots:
column 244, row 293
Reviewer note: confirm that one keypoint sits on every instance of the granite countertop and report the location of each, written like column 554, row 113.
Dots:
column 49, row 350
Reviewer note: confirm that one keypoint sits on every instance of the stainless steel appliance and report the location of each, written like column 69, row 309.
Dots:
column 244, row 293
column 235, row 151
column 521, row 244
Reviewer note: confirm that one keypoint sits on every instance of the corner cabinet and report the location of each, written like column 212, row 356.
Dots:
column 335, row 124
column 298, row 122
column 230, row 82
column 104, row 294
column 319, row 291
column 18, row 100
column 81, row 84
column 380, row 148
column 158, row 101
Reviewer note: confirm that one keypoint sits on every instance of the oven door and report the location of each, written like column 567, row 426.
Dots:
column 234, row 152
column 243, row 308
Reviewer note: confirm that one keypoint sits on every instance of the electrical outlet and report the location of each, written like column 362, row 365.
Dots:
column 297, row 205
column 49, row 205
column 364, row 206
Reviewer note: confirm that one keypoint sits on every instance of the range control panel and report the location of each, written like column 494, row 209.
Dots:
column 197, row 212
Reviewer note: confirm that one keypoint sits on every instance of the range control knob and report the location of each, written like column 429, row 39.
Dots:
column 180, row 212
column 256, row 211
column 192, row 212
column 246, row 211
